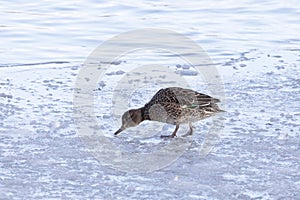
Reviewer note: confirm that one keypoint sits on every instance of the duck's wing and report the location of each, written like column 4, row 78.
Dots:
column 190, row 97
column 184, row 97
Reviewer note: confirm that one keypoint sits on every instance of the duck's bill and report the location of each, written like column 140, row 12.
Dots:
column 119, row 131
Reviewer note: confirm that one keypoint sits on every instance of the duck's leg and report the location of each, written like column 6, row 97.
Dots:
column 190, row 132
column 173, row 134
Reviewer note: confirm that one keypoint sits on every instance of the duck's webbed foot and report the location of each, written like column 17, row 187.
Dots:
column 167, row 136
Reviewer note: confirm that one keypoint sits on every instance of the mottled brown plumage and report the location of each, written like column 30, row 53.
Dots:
column 175, row 106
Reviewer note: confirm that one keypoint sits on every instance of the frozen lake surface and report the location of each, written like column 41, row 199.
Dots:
column 255, row 46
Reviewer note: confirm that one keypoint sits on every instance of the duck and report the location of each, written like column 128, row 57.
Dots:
column 173, row 105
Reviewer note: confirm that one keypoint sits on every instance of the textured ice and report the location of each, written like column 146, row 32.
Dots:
column 257, row 156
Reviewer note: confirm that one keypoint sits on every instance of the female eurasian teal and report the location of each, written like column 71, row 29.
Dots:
column 173, row 105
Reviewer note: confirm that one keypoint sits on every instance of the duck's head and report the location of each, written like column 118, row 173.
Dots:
column 130, row 118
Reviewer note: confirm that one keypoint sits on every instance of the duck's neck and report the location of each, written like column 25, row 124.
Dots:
column 144, row 114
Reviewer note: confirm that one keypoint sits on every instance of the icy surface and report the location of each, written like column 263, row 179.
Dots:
column 257, row 155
